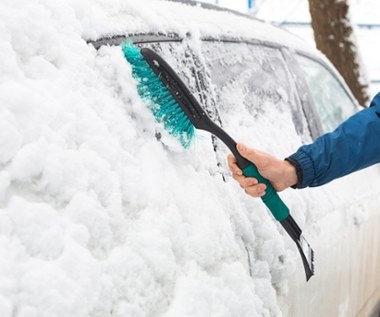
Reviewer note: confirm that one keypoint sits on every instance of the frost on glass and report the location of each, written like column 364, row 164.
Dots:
column 188, row 64
column 254, row 77
column 331, row 100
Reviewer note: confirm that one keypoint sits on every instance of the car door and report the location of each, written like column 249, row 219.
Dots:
column 258, row 103
column 274, row 100
column 345, row 211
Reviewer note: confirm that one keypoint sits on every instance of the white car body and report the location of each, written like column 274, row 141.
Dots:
column 340, row 219
column 104, row 214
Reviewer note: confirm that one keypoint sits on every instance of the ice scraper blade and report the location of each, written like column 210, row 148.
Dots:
column 306, row 252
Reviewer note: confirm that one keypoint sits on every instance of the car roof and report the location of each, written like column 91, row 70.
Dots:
column 211, row 6
column 183, row 17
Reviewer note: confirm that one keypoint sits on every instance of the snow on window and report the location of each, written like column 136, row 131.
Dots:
column 252, row 81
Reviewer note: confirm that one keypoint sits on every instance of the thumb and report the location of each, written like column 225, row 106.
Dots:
column 251, row 155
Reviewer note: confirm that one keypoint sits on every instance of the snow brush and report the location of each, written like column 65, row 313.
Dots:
column 176, row 108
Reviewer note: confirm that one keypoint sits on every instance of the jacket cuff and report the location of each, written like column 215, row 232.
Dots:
column 305, row 168
column 376, row 104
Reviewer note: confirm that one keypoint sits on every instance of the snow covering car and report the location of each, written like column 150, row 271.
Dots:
column 102, row 213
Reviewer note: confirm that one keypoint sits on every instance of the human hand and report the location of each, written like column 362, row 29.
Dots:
column 280, row 173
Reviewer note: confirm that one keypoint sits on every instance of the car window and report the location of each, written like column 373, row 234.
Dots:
column 255, row 77
column 189, row 65
column 331, row 100
column 190, row 69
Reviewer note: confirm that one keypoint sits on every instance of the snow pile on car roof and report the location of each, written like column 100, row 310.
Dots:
column 97, row 218
column 110, row 18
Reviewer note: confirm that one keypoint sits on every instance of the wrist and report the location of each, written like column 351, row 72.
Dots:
column 291, row 173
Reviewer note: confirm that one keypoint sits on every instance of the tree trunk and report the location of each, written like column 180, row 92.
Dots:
column 334, row 36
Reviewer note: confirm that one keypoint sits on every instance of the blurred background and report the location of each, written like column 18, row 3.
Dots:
column 294, row 15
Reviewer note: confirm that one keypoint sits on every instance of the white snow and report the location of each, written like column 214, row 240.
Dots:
column 98, row 218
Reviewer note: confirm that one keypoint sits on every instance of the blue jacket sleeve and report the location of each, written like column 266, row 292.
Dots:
column 354, row 145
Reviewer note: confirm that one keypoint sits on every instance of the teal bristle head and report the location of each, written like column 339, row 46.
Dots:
column 157, row 97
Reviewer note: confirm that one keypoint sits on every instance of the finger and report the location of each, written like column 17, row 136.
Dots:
column 252, row 155
column 256, row 190
column 248, row 182
column 245, row 181
column 239, row 178
column 233, row 165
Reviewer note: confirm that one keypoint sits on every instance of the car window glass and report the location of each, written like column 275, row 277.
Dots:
column 253, row 87
column 332, row 102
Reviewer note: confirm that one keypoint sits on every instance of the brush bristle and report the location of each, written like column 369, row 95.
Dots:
column 157, row 97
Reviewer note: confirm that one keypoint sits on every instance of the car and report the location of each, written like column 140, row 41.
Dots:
column 273, row 92
column 104, row 213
